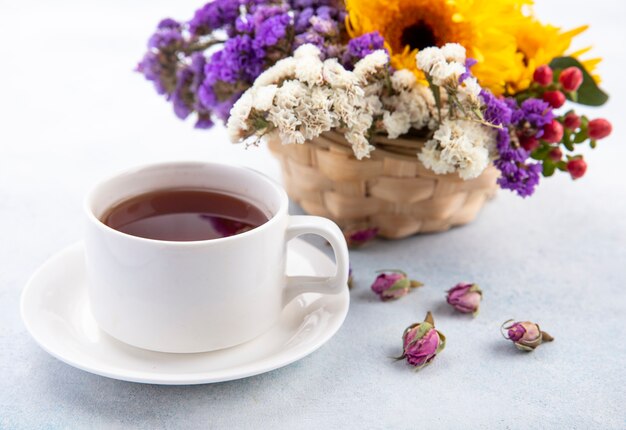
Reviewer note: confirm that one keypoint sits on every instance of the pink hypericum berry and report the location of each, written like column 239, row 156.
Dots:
column 571, row 121
column 555, row 154
column 577, row 168
column 556, row 99
column 599, row 128
column 543, row 75
column 529, row 143
column 571, row 78
column 553, row 132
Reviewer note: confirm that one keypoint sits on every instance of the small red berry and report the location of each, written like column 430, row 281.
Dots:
column 543, row 75
column 571, row 78
column 555, row 154
column 529, row 143
column 576, row 168
column 571, row 121
column 556, row 99
column 599, row 128
column 552, row 132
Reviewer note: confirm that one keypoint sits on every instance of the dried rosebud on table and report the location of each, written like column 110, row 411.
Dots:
column 350, row 279
column 421, row 343
column 357, row 237
column 465, row 298
column 393, row 284
column 526, row 335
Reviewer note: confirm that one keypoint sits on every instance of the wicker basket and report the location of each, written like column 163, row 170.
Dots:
column 391, row 191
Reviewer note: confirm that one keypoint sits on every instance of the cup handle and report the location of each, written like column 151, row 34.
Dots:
column 306, row 224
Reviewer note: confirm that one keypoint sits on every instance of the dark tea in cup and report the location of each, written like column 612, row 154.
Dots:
column 183, row 215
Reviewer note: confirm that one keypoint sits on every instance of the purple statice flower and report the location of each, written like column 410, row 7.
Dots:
column 516, row 172
column 303, row 4
column 182, row 97
column 536, row 113
column 235, row 66
column 321, row 23
column 239, row 59
column 312, row 38
column 198, row 62
column 517, row 114
column 362, row 46
column 302, row 23
column 264, row 12
column 167, row 36
column 151, row 69
column 272, row 30
column 214, row 15
column 497, row 112
column 469, row 62
column 244, row 24
column 257, row 33
column 169, row 23
column 157, row 68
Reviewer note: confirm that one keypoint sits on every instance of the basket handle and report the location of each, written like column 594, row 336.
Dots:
column 296, row 285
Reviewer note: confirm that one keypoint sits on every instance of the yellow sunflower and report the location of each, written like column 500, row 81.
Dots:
column 500, row 34
column 538, row 44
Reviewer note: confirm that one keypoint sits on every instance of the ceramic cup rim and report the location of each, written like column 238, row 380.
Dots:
column 279, row 192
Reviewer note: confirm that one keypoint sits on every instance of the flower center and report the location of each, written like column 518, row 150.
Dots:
column 418, row 36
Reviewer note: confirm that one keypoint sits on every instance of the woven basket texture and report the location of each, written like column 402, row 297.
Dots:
column 391, row 190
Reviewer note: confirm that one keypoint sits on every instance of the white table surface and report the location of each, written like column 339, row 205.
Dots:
column 72, row 111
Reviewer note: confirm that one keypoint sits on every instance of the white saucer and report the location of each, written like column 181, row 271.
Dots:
column 56, row 312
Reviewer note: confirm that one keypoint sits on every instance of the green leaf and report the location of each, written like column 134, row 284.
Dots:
column 548, row 169
column 562, row 166
column 580, row 137
column 593, row 144
column 541, row 153
column 567, row 140
column 589, row 93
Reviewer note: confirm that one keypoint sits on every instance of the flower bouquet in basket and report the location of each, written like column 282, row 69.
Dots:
column 390, row 117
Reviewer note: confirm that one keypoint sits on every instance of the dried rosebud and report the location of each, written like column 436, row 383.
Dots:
column 465, row 298
column 599, row 128
column 421, row 343
column 543, row 75
column 359, row 237
column 350, row 278
column 576, row 168
column 571, row 121
column 526, row 335
column 571, row 78
column 393, row 284
column 552, row 132
column 556, row 99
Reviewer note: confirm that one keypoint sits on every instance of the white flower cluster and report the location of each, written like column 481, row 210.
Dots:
column 444, row 67
column 410, row 105
column 459, row 146
column 463, row 141
column 301, row 97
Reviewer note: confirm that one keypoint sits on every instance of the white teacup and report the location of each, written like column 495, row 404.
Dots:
column 200, row 295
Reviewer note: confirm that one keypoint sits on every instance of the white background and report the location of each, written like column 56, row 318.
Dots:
column 72, row 111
